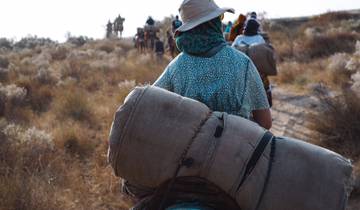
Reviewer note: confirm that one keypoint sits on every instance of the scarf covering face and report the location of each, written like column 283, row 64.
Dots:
column 202, row 38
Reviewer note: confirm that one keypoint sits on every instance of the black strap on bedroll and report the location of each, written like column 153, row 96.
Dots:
column 259, row 150
column 271, row 160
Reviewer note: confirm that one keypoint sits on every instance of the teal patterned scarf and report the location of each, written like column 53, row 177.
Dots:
column 202, row 38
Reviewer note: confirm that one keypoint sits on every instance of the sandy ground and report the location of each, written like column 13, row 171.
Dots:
column 289, row 113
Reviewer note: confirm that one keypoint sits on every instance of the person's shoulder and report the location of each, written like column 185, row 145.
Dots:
column 238, row 39
column 177, row 61
column 241, row 36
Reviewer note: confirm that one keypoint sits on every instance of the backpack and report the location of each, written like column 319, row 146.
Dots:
column 262, row 55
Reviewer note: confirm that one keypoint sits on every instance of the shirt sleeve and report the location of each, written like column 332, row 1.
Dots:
column 164, row 81
column 255, row 95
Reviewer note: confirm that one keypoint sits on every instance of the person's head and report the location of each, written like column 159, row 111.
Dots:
column 253, row 15
column 229, row 23
column 196, row 12
column 252, row 27
column 177, row 17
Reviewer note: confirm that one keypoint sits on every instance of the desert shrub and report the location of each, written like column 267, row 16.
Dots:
column 126, row 44
column 78, row 41
column 4, row 74
column 106, row 47
column 288, row 72
column 38, row 97
column 74, row 68
column 33, row 42
column 337, row 124
column 46, row 76
column 73, row 104
column 330, row 17
column 72, row 138
column 5, row 43
column 337, row 72
column 60, row 53
column 4, row 62
column 29, row 169
column 356, row 83
column 42, row 59
column 14, row 94
column 328, row 44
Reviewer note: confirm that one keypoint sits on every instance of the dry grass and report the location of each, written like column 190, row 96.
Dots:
column 56, row 109
column 338, row 123
column 73, row 104
column 328, row 44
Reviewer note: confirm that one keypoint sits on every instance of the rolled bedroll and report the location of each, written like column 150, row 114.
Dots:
column 157, row 135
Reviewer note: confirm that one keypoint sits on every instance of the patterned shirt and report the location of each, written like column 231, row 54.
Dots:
column 226, row 82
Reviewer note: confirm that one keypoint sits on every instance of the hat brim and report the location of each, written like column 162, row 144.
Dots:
column 192, row 24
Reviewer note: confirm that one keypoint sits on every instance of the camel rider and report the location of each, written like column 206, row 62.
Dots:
column 253, row 15
column 176, row 23
column 237, row 28
column 250, row 37
column 109, row 29
column 150, row 21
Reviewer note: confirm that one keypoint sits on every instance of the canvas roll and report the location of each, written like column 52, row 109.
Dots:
column 154, row 128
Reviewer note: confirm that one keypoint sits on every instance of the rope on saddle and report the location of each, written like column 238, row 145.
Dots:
column 183, row 161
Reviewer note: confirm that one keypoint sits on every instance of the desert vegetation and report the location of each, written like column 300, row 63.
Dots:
column 56, row 106
column 57, row 103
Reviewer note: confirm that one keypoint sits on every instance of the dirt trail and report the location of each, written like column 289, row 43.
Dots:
column 289, row 113
column 289, row 119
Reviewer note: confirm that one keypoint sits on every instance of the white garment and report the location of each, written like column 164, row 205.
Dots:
column 248, row 40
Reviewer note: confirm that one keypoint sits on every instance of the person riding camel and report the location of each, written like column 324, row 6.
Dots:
column 237, row 27
column 140, row 40
column 176, row 23
column 204, row 52
column 209, row 71
column 150, row 21
column 253, row 15
column 251, row 34
column 109, row 29
column 250, row 37
column 119, row 25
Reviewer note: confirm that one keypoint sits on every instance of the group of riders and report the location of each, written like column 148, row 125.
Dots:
column 245, row 31
column 147, row 39
column 115, row 28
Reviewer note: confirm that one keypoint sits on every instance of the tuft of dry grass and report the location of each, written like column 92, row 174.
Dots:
column 328, row 44
column 337, row 124
column 73, row 104
column 4, row 62
column 59, row 53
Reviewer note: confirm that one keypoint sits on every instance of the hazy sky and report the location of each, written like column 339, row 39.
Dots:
column 53, row 18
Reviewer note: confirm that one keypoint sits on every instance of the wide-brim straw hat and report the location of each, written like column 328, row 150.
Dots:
column 196, row 12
